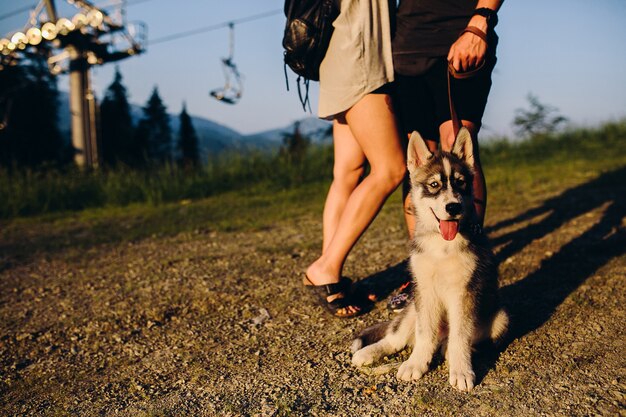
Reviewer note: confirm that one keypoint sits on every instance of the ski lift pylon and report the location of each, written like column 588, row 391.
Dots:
column 231, row 92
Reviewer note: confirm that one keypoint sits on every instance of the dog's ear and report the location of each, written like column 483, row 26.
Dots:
column 417, row 153
column 464, row 147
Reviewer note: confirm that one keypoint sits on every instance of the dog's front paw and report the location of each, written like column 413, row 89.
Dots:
column 463, row 380
column 411, row 370
column 363, row 357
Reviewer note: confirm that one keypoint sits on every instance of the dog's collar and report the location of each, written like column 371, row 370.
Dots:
column 474, row 229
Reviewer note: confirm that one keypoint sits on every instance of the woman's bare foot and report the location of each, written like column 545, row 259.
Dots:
column 319, row 274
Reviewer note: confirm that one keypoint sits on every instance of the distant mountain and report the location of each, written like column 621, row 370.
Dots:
column 215, row 138
column 315, row 129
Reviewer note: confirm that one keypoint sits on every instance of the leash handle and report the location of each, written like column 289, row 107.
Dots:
column 453, row 73
column 473, row 29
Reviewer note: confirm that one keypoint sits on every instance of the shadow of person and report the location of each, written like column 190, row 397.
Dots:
column 558, row 210
column 532, row 300
column 380, row 285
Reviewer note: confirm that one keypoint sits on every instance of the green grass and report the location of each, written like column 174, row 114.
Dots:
column 527, row 172
column 593, row 145
column 31, row 193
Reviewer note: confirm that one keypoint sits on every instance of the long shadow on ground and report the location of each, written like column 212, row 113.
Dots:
column 532, row 300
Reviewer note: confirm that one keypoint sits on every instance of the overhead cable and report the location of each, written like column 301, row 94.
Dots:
column 216, row 26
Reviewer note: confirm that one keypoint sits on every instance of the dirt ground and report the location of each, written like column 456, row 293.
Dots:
column 216, row 323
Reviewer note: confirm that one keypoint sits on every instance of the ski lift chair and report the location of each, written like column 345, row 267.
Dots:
column 232, row 90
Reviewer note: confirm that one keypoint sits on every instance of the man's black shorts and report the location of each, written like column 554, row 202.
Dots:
column 421, row 102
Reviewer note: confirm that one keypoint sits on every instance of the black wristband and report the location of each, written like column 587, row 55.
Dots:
column 489, row 14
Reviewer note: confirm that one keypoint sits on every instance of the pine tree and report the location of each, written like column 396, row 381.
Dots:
column 117, row 125
column 30, row 136
column 295, row 146
column 188, row 154
column 154, row 135
column 292, row 155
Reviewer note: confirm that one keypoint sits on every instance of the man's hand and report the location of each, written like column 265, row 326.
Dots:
column 468, row 52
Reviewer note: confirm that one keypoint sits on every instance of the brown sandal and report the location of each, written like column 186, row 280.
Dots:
column 339, row 293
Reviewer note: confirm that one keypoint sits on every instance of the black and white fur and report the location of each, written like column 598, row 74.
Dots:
column 455, row 275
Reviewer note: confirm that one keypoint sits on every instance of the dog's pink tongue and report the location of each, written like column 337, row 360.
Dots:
column 448, row 228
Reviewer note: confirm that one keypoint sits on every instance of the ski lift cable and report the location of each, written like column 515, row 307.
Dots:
column 173, row 36
column 113, row 3
column 216, row 26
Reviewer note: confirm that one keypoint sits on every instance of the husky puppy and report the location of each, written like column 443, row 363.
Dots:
column 456, row 290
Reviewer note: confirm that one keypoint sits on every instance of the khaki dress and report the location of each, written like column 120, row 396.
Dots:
column 359, row 59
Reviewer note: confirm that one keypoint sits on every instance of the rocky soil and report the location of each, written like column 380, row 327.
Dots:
column 217, row 323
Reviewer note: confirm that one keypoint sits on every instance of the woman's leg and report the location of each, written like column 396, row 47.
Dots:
column 347, row 172
column 373, row 125
column 480, row 186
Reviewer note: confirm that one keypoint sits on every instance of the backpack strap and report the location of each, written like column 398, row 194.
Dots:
column 305, row 101
column 290, row 10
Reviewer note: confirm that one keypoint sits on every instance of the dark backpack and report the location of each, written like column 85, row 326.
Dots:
column 308, row 30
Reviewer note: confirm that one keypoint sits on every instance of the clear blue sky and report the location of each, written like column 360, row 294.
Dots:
column 569, row 53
